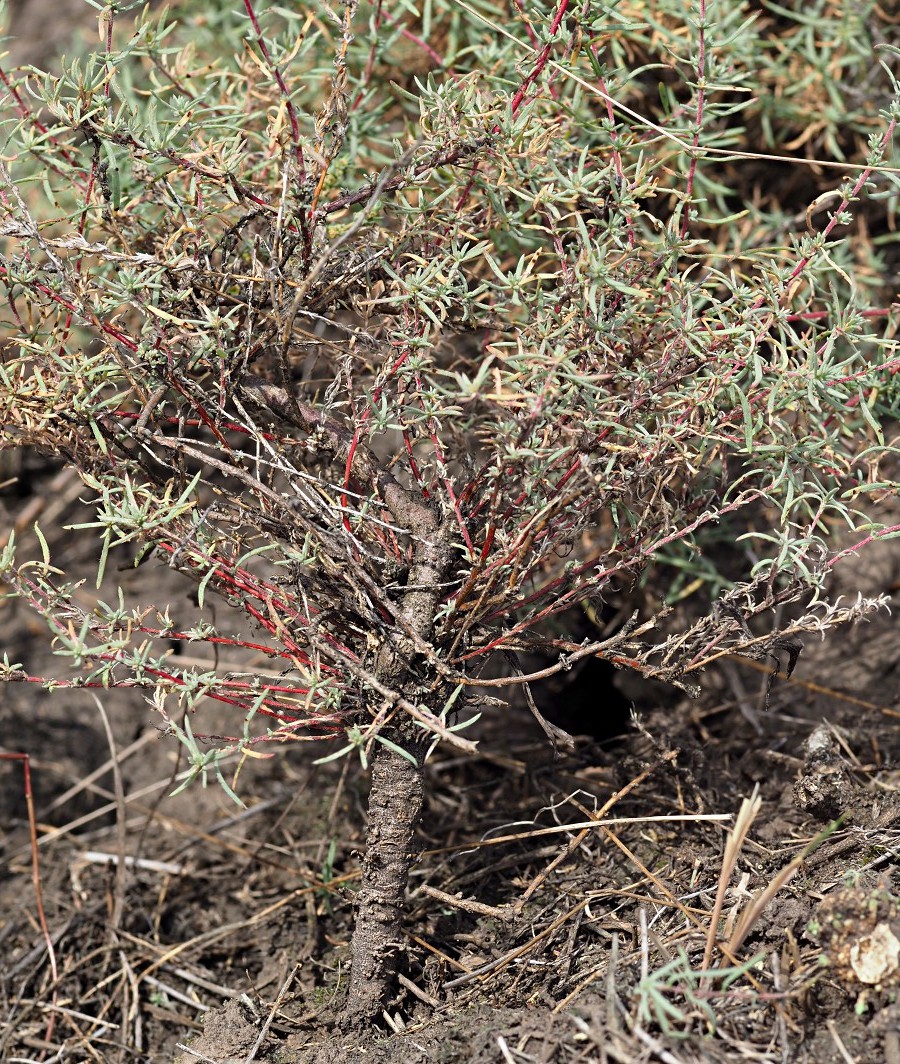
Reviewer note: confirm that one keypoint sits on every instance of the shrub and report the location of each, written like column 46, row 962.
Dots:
column 402, row 334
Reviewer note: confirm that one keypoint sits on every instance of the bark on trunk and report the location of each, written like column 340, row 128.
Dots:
column 395, row 800
column 395, row 806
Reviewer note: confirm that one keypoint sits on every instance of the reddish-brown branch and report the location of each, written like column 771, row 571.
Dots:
column 36, row 879
column 538, row 68
column 698, row 124
column 282, row 86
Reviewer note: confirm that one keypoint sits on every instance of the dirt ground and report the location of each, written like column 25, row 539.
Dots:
column 187, row 928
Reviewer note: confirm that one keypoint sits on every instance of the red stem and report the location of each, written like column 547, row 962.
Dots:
column 36, row 876
column 282, row 85
column 695, row 140
column 542, row 58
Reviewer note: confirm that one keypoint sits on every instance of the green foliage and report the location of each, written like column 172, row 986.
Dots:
column 403, row 331
column 674, row 996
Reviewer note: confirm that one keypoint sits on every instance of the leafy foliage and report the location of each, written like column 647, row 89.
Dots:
column 403, row 332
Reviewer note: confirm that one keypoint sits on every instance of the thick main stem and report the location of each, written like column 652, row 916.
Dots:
column 395, row 800
column 395, row 806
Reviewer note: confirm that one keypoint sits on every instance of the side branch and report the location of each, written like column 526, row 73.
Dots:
column 405, row 507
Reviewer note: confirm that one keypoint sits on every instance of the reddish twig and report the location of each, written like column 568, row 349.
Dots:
column 36, row 877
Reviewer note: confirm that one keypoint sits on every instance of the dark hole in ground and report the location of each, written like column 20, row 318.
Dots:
column 586, row 701
column 594, row 698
